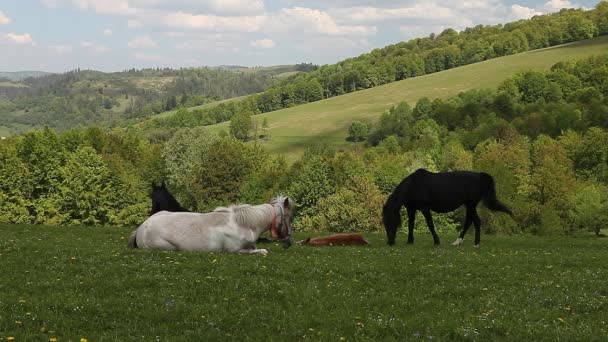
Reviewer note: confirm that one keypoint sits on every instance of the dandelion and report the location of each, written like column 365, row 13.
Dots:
column 53, row 339
column 84, row 339
column 10, row 338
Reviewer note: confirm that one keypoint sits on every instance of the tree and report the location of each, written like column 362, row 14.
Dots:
column 265, row 128
column 83, row 196
column 183, row 155
column 357, row 131
column 240, row 125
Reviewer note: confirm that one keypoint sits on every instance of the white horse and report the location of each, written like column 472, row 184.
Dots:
column 234, row 229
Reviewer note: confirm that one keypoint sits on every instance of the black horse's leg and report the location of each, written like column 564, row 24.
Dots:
column 411, row 220
column 431, row 225
column 477, row 223
column 467, row 223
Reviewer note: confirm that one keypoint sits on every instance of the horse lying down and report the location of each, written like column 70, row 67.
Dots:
column 233, row 229
column 163, row 200
column 351, row 239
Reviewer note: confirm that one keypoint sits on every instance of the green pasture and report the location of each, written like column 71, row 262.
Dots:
column 327, row 121
column 204, row 106
column 73, row 282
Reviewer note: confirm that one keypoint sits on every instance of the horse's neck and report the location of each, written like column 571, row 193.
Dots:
column 258, row 218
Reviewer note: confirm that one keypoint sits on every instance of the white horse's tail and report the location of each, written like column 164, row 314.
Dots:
column 132, row 243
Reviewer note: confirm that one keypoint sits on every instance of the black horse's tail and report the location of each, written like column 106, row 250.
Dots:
column 132, row 240
column 489, row 195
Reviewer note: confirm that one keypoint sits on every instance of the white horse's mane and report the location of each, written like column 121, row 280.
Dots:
column 247, row 214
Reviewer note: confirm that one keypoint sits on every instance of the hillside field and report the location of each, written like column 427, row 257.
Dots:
column 327, row 121
column 75, row 282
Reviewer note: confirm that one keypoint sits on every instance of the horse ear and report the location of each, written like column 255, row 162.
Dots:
column 163, row 185
column 287, row 203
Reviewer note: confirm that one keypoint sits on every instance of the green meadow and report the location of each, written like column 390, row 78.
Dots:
column 70, row 283
column 327, row 121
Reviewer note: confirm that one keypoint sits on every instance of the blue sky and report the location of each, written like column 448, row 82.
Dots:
column 114, row 35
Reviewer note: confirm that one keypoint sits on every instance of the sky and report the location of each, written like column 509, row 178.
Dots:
column 115, row 35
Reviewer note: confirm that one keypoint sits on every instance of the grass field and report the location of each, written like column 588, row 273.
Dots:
column 327, row 121
column 74, row 282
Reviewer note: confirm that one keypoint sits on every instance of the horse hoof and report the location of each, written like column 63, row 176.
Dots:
column 476, row 246
column 458, row 242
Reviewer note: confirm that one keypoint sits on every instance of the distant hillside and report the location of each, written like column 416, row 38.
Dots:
column 406, row 60
column 87, row 97
column 327, row 121
column 16, row 76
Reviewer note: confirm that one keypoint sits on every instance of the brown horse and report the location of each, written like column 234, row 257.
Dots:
column 352, row 239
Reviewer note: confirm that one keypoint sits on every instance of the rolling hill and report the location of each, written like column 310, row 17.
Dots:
column 327, row 121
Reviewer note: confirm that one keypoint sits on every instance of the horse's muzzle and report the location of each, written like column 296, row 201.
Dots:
column 287, row 242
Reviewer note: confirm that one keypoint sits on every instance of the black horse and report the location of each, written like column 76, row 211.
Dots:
column 163, row 200
column 440, row 192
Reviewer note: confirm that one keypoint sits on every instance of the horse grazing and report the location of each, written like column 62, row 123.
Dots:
column 350, row 239
column 163, row 200
column 232, row 229
column 440, row 192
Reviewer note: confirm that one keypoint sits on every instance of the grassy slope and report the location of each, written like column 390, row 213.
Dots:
column 73, row 282
column 327, row 121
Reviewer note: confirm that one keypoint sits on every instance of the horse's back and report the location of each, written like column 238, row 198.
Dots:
column 183, row 231
column 443, row 191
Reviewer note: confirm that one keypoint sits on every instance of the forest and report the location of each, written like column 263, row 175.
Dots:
column 541, row 135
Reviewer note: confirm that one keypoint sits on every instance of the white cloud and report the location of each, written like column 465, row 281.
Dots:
column 115, row 7
column 418, row 10
column 265, row 43
column 556, row 5
column 237, row 6
column 213, row 22
column 523, row 12
column 314, row 21
column 22, row 39
column 60, row 49
column 4, row 19
column 147, row 57
column 133, row 23
column 142, row 42
column 51, row 3
column 94, row 47
column 106, row 32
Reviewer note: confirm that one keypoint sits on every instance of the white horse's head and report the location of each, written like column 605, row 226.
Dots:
column 283, row 227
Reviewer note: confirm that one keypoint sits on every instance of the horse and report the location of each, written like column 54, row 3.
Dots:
column 163, row 200
column 344, row 239
column 232, row 229
column 440, row 192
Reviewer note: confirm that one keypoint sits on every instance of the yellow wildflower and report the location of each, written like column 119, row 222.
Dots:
column 10, row 338
column 83, row 340
column 53, row 339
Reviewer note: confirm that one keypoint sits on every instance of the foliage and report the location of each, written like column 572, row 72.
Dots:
column 354, row 208
column 357, row 131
